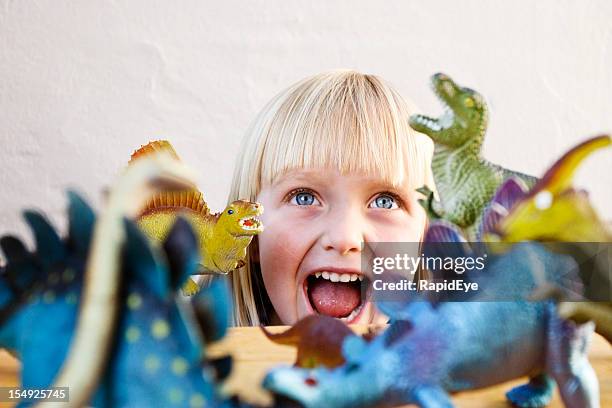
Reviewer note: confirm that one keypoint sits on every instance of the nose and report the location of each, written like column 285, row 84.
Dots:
column 344, row 233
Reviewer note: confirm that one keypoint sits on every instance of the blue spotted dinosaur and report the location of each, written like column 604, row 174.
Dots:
column 435, row 347
column 98, row 311
column 465, row 181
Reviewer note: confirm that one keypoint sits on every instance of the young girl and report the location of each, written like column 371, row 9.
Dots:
column 335, row 165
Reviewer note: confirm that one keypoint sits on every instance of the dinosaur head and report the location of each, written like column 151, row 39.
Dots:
column 345, row 386
column 464, row 118
column 240, row 218
column 553, row 210
column 369, row 376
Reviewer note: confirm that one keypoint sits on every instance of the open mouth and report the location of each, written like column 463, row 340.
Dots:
column 428, row 122
column 250, row 223
column 340, row 295
column 446, row 119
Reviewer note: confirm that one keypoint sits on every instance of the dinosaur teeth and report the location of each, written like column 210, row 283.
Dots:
column 250, row 223
column 429, row 122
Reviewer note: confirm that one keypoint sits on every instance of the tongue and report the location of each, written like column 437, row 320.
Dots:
column 336, row 299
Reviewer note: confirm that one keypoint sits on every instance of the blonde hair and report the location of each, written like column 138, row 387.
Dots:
column 340, row 119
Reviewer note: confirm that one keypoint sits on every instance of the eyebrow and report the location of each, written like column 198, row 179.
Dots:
column 301, row 175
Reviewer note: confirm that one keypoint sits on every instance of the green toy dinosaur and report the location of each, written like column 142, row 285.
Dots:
column 465, row 181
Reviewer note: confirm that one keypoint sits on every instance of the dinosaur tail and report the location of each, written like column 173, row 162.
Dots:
column 287, row 338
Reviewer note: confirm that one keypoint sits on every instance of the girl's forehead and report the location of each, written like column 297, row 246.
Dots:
column 325, row 175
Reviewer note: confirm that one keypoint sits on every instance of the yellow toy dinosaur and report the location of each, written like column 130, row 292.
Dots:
column 223, row 237
column 554, row 211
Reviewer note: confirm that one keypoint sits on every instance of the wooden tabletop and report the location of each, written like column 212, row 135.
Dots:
column 254, row 354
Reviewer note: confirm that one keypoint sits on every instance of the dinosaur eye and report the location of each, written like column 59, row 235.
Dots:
column 230, row 211
column 310, row 381
column 468, row 102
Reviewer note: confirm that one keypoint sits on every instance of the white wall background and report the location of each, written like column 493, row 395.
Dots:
column 82, row 84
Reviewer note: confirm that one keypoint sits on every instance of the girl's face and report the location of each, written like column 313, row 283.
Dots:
column 315, row 223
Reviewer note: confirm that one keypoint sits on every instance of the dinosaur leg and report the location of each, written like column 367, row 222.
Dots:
column 567, row 363
column 535, row 394
column 431, row 396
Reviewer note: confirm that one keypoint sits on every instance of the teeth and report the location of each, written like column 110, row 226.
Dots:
column 338, row 277
column 254, row 220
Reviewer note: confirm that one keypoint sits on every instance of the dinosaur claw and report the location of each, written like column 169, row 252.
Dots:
column 427, row 203
column 431, row 214
column 425, row 190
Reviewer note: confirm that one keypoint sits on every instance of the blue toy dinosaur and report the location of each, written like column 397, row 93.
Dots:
column 434, row 348
column 98, row 311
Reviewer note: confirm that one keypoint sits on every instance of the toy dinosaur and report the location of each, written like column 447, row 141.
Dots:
column 431, row 350
column 464, row 179
column 318, row 339
column 223, row 237
column 554, row 211
column 97, row 312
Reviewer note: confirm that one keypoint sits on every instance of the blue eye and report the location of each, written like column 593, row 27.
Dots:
column 230, row 211
column 384, row 201
column 304, row 199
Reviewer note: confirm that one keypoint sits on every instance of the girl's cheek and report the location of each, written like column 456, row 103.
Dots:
column 280, row 256
column 281, row 249
column 398, row 227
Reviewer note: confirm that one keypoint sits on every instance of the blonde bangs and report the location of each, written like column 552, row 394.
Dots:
column 346, row 121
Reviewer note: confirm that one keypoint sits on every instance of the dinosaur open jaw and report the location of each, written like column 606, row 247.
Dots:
column 339, row 295
column 426, row 121
column 250, row 224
